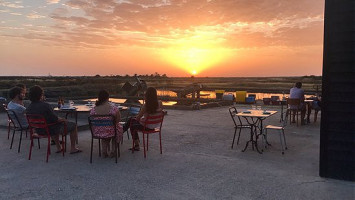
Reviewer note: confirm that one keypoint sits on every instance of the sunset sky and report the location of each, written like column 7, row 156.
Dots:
column 173, row 37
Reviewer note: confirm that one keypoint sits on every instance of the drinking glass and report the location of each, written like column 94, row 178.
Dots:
column 253, row 107
column 71, row 103
column 259, row 107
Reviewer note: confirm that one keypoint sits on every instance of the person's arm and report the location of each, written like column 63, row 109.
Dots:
column 141, row 113
column 51, row 117
column 118, row 115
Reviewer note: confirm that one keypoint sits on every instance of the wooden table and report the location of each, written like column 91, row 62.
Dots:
column 255, row 119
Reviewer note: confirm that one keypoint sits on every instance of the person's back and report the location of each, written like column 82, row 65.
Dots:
column 298, row 93
column 16, row 104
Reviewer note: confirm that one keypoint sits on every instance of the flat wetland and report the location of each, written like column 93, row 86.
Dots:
column 88, row 86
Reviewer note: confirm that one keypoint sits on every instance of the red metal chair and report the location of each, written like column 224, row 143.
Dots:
column 16, row 126
column 103, row 127
column 9, row 123
column 156, row 118
column 36, row 121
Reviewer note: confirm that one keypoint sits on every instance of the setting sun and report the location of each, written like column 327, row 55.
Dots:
column 195, row 60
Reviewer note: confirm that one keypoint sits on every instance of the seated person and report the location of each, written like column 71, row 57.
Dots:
column 298, row 93
column 151, row 106
column 104, row 107
column 316, row 106
column 17, row 95
column 38, row 106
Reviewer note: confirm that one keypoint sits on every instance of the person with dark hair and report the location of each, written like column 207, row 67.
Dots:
column 104, row 107
column 152, row 105
column 20, row 85
column 297, row 93
column 17, row 96
column 38, row 106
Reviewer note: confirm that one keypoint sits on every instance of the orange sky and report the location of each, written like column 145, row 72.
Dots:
column 173, row 37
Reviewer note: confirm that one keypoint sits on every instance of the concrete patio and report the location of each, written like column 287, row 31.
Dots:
column 197, row 163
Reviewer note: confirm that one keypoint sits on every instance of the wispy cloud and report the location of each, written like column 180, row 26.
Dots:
column 35, row 15
column 53, row 1
column 16, row 4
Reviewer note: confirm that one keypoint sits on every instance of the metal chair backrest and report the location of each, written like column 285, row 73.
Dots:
column 102, row 126
column 14, row 119
column 233, row 111
column 156, row 118
column 295, row 102
column 36, row 121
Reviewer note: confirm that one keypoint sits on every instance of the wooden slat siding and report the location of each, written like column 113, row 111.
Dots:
column 337, row 138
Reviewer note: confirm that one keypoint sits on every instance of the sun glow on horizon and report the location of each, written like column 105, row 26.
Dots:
column 195, row 60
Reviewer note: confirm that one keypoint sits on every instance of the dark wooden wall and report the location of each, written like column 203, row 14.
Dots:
column 337, row 138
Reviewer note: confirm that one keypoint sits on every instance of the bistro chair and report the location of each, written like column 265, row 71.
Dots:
column 294, row 107
column 38, row 122
column 281, row 129
column 156, row 119
column 9, row 122
column 233, row 111
column 103, row 127
column 16, row 126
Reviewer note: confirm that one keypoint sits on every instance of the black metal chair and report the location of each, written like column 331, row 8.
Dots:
column 9, row 122
column 103, row 127
column 233, row 111
column 16, row 126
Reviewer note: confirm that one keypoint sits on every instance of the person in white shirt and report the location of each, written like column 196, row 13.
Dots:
column 298, row 93
column 17, row 96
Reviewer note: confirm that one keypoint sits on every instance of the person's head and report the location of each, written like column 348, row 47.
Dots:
column 36, row 93
column 151, row 100
column 102, row 98
column 298, row 85
column 22, row 86
column 16, row 93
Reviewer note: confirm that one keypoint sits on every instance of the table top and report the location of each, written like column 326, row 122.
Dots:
column 308, row 100
column 256, row 113
column 83, row 108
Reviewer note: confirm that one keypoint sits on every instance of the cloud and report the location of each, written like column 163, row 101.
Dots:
column 16, row 4
column 53, row 1
column 164, row 23
column 35, row 15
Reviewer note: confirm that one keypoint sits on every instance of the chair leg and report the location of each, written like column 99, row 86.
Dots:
column 19, row 144
column 147, row 141
column 161, row 147
column 8, row 131
column 99, row 147
column 235, row 132
column 144, row 146
column 39, row 144
column 282, row 146
column 29, row 155
column 118, row 151
column 64, row 143
column 48, row 148
column 92, row 144
column 240, row 130
column 116, row 144
column 12, row 140
column 283, row 133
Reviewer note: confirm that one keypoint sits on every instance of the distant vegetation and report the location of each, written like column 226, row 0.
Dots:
column 88, row 86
